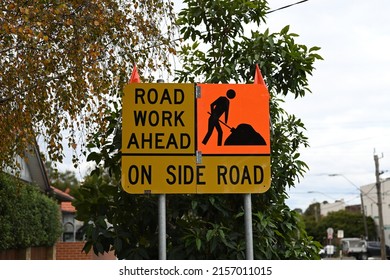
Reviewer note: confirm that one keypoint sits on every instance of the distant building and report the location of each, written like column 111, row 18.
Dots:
column 32, row 169
column 356, row 208
column 326, row 207
column 72, row 228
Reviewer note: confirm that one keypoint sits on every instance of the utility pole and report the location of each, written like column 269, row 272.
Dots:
column 316, row 212
column 364, row 216
column 380, row 212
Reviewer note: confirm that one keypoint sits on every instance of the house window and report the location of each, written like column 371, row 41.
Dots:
column 68, row 234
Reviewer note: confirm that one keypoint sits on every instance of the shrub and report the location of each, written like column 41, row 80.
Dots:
column 28, row 218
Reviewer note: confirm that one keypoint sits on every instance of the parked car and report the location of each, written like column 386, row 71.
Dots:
column 362, row 249
column 354, row 247
column 374, row 249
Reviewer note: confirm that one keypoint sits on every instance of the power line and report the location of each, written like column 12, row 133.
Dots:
column 287, row 6
column 275, row 10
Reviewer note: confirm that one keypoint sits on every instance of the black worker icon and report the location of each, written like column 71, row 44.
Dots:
column 219, row 107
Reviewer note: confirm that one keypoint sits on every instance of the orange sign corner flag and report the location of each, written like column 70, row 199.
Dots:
column 258, row 77
column 134, row 76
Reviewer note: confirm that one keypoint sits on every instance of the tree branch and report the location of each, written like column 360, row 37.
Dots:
column 6, row 99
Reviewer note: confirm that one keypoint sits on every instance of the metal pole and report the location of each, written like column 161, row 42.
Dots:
column 162, row 241
column 380, row 212
column 248, row 226
column 364, row 216
column 162, row 230
column 316, row 216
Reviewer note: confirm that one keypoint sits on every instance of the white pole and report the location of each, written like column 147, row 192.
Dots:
column 162, row 246
column 248, row 226
column 162, row 227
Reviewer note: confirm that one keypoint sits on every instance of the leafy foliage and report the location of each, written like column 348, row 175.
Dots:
column 211, row 226
column 350, row 222
column 63, row 64
column 61, row 180
column 27, row 216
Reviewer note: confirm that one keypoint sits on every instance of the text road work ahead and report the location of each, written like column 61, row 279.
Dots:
column 159, row 121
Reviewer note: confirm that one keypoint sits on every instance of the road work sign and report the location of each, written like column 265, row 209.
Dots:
column 158, row 119
column 233, row 137
column 188, row 138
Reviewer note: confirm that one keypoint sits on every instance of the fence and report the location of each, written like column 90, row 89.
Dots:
column 61, row 251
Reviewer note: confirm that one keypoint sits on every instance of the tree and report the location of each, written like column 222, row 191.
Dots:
column 211, row 226
column 61, row 180
column 350, row 222
column 63, row 64
column 224, row 54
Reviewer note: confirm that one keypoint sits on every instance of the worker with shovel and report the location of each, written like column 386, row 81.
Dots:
column 218, row 108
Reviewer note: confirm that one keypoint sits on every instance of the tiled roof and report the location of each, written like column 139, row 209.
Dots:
column 62, row 196
column 67, row 207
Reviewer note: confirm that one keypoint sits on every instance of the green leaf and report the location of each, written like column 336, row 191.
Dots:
column 285, row 30
column 94, row 157
column 221, row 233
column 314, row 49
column 198, row 242
column 98, row 248
column 209, row 235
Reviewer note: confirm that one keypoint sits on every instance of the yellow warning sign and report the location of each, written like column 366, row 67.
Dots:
column 158, row 119
column 174, row 175
column 187, row 138
column 160, row 174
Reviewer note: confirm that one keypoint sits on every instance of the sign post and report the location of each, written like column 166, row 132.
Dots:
column 196, row 138
column 248, row 226
column 329, row 232
column 162, row 227
column 162, row 222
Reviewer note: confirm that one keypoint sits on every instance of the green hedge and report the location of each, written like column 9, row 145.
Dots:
column 28, row 218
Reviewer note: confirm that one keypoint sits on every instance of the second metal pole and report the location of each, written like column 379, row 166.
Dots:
column 162, row 227
column 248, row 226
column 162, row 241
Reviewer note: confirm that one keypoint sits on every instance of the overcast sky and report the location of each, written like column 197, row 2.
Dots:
column 347, row 115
